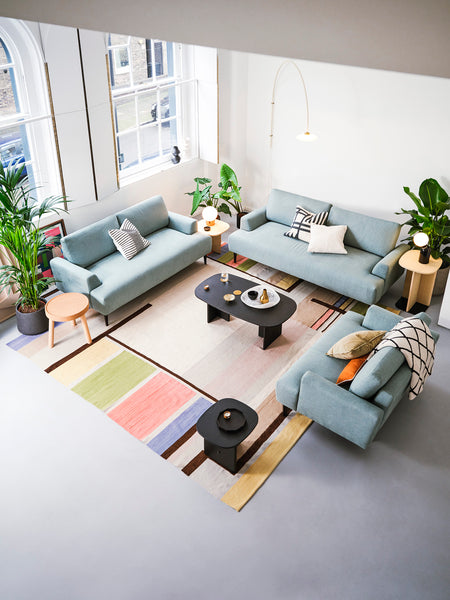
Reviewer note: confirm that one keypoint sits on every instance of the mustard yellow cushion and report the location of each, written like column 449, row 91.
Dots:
column 356, row 344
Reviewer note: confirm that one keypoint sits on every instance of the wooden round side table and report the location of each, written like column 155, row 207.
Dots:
column 419, row 280
column 215, row 232
column 67, row 307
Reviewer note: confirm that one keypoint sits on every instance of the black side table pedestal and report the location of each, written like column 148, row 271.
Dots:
column 221, row 445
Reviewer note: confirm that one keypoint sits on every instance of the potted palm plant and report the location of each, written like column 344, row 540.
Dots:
column 20, row 235
column 430, row 216
column 227, row 197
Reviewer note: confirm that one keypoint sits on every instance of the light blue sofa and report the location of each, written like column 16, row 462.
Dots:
column 365, row 273
column 94, row 267
column 357, row 414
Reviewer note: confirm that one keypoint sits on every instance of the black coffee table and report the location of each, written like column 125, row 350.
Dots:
column 221, row 445
column 269, row 320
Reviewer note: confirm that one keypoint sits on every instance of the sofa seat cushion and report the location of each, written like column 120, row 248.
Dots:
column 348, row 274
column 288, row 385
column 123, row 280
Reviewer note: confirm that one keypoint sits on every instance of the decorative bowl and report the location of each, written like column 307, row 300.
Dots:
column 252, row 294
column 229, row 297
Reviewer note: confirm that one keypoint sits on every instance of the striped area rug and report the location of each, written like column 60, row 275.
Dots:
column 159, row 368
column 278, row 279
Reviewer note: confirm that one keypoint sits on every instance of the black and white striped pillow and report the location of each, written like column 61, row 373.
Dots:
column 301, row 225
column 128, row 240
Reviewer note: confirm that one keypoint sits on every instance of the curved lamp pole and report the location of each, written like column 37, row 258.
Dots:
column 307, row 136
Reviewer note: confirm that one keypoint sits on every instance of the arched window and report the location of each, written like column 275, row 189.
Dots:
column 26, row 127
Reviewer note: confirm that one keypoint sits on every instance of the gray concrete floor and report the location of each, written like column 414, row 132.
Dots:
column 87, row 512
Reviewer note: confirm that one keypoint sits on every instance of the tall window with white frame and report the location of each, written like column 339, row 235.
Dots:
column 26, row 130
column 147, row 91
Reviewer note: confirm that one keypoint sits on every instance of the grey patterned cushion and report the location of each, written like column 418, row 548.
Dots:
column 301, row 225
column 128, row 240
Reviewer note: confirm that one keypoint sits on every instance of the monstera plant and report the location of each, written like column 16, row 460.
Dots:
column 228, row 195
column 430, row 215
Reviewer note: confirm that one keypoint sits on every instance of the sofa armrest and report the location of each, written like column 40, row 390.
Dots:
column 388, row 268
column 254, row 219
column 338, row 409
column 72, row 278
column 182, row 223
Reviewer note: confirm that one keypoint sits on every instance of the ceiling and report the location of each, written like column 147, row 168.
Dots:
column 410, row 36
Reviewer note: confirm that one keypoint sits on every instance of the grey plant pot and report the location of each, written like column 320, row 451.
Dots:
column 32, row 323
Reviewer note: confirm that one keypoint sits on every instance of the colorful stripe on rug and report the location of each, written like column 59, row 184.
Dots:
column 278, row 279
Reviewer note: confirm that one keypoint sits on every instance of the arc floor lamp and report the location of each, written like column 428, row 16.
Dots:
column 307, row 136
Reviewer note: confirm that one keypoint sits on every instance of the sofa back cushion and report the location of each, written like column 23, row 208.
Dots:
column 90, row 244
column 148, row 216
column 281, row 206
column 376, row 372
column 379, row 369
column 377, row 236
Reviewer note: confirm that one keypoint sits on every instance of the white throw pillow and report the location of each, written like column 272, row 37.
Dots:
column 327, row 240
column 301, row 225
column 128, row 240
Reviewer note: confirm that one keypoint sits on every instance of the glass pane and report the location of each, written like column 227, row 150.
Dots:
column 14, row 149
column 4, row 58
column 127, row 149
column 169, row 136
column 161, row 66
column 149, row 142
column 147, row 108
column 9, row 104
column 115, row 39
column 141, row 58
column 119, row 68
column 125, row 114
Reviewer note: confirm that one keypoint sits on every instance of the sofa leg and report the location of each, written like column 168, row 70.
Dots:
column 204, row 259
column 235, row 256
column 286, row 410
column 106, row 320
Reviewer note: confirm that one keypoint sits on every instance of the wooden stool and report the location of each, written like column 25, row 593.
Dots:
column 67, row 307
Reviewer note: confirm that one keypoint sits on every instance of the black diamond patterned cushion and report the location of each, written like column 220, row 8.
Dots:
column 128, row 240
column 301, row 225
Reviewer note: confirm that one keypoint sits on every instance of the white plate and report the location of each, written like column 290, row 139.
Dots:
column 274, row 298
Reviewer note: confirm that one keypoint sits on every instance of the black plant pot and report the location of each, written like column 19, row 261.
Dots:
column 239, row 216
column 32, row 323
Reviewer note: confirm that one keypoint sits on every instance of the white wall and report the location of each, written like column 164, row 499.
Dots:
column 378, row 131
column 401, row 35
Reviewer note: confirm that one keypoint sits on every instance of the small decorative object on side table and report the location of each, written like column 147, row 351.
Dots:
column 223, row 427
column 419, row 282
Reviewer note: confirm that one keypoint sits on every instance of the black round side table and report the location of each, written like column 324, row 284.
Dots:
column 220, row 445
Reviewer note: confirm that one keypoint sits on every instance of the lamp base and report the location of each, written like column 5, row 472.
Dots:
column 211, row 223
column 424, row 255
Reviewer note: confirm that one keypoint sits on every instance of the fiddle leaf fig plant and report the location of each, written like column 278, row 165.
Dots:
column 430, row 216
column 228, row 196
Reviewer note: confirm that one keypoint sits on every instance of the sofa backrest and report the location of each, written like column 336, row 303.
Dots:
column 377, row 236
column 147, row 216
column 281, row 206
column 91, row 243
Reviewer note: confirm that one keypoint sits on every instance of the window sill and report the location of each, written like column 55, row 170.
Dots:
column 149, row 172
